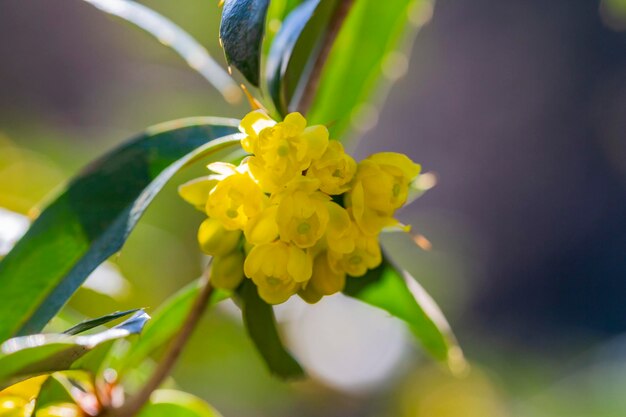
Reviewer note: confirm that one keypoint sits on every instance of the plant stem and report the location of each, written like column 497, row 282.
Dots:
column 339, row 15
column 137, row 401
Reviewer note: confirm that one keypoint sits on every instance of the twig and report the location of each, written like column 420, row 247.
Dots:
column 137, row 401
column 339, row 15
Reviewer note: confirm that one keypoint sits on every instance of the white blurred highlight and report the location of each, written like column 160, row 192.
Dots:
column 343, row 342
column 170, row 34
column 106, row 279
column 12, row 228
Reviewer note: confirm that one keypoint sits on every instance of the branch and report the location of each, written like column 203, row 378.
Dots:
column 137, row 401
column 339, row 15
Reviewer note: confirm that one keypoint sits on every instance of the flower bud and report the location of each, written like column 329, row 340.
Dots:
column 227, row 271
column 215, row 240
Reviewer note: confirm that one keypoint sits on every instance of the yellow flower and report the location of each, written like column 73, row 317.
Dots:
column 262, row 228
column 366, row 255
column 324, row 281
column 236, row 197
column 281, row 150
column 278, row 270
column 380, row 187
column 335, row 169
column 302, row 213
column 341, row 232
column 252, row 124
column 215, row 240
column 196, row 192
column 227, row 271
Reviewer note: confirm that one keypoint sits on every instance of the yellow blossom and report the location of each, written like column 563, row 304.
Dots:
column 380, row 187
column 262, row 228
column 278, row 270
column 252, row 124
column 236, row 197
column 302, row 213
column 341, row 232
column 366, row 255
column 196, row 192
column 335, row 169
column 227, row 271
column 324, row 281
column 297, row 238
column 282, row 150
column 215, row 240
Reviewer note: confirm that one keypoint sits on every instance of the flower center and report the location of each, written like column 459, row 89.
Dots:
column 273, row 281
column 355, row 259
column 304, row 228
column 283, row 150
column 396, row 190
column 232, row 213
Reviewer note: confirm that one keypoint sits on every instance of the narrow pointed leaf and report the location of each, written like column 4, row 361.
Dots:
column 399, row 294
column 92, row 217
column 260, row 323
column 241, row 33
column 26, row 356
column 90, row 324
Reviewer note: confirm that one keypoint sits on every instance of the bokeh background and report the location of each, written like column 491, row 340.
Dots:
column 517, row 106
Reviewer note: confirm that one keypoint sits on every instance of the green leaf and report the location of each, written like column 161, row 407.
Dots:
column 399, row 294
column 172, row 403
column 294, row 50
column 27, row 356
column 55, row 389
column 61, row 388
column 241, row 35
column 92, row 217
column 90, row 324
column 372, row 30
column 260, row 323
column 166, row 322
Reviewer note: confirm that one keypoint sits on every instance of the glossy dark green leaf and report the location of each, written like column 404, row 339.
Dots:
column 241, row 33
column 92, row 217
column 398, row 293
column 172, row 403
column 260, row 323
column 294, row 49
column 166, row 322
column 90, row 324
column 369, row 41
column 26, row 356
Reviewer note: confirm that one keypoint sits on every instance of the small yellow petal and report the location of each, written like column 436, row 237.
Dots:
column 196, row 191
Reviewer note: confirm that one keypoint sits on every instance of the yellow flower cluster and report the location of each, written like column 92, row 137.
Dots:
column 298, row 215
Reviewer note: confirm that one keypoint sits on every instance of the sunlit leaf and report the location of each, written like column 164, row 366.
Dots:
column 399, row 294
column 26, row 356
column 90, row 324
column 241, row 35
column 92, row 217
column 172, row 403
column 367, row 51
column 260, row 323
column 294, row 49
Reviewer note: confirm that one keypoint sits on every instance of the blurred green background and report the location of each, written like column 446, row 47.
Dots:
column 518, row 107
